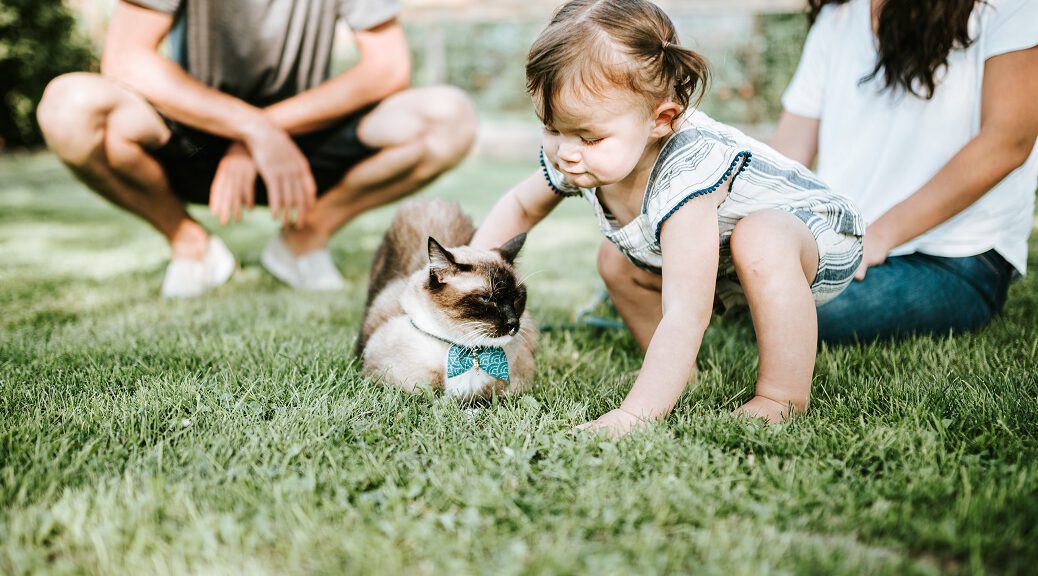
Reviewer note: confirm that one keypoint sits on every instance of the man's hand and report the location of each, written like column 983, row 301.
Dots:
column 876, row 248
column 291, row 189
column 234, row 185
column 615, row 423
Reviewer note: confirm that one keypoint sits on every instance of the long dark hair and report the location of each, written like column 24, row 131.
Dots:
column 915, row 39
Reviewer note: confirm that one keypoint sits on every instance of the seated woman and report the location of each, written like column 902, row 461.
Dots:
column 927, row 119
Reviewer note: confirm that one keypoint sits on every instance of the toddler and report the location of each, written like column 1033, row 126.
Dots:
column 690, row 209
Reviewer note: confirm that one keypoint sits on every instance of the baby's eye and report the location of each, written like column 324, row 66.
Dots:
column 551, row 131
column 590, row 141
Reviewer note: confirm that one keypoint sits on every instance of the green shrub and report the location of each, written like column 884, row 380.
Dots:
column 38, row 41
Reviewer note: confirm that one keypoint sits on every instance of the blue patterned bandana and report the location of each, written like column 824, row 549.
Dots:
column 461, row 359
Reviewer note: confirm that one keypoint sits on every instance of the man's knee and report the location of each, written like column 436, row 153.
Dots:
column 450, row 108
column 72, row 115
column 450, row 127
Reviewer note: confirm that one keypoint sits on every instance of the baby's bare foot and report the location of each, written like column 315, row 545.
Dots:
column 762, row 407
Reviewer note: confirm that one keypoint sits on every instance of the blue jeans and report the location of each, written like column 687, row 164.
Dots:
column 918, row 294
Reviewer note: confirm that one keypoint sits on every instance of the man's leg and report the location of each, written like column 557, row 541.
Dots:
column 917, row 294
column 100, row 129
column 419, row 134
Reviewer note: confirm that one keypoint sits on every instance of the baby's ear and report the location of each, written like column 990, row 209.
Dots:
column 664, row 116
column 509, row 250
column 441, row 262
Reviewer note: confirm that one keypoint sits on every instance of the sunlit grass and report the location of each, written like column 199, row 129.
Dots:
column 232, row 433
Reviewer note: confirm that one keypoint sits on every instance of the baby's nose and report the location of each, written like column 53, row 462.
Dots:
column 569, row 153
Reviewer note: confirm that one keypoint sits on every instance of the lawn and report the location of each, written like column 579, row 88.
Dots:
column 233, row 434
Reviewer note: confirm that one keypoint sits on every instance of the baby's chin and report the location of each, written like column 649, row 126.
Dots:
column 584, row 181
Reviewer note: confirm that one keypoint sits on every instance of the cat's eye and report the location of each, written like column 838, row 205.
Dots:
column 483, row 299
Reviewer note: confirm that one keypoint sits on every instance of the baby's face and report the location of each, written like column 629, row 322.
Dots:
column 598, row 140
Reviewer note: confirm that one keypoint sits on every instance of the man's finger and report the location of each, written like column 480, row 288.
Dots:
column 217, row 196
column 302, row 203
column 273, row 197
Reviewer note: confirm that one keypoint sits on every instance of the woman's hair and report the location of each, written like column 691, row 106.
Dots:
column 915, row 39
column 595, row 45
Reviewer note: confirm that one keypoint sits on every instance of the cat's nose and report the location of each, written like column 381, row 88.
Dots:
column 513, row 325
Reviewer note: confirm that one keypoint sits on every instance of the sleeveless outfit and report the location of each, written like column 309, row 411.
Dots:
column 705, row 157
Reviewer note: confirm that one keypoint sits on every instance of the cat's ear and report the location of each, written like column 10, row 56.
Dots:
column 441, row 261
column 509, row 250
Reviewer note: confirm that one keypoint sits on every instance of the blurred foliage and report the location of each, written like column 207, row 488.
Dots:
column 752, row 59
column 781, row 40
column 38, row 41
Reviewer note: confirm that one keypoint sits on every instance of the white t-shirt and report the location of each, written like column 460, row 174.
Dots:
column 880, row 146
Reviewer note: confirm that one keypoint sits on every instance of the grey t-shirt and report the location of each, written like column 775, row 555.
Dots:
column 263, row 51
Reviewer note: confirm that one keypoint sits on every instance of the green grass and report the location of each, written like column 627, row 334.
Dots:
column 232, row 433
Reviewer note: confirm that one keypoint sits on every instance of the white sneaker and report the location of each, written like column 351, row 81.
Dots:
column 313, row 271
column 186, row 278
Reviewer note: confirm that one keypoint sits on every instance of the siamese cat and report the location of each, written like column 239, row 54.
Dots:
column 445, row 314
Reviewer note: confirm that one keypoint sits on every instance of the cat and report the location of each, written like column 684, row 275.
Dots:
column 453, row 317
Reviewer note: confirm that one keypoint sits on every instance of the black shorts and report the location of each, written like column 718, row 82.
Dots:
column 190, row 157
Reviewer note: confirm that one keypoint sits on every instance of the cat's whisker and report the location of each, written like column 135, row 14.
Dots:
column 522, row 281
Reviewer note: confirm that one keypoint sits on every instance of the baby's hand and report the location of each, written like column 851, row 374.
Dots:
column 616, row 423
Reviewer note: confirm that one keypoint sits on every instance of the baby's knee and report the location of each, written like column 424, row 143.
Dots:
column 770, row 240
column 611, row 264
column 620, row 274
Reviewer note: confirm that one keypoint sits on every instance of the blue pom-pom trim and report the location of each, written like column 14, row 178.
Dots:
column 547, row 176
column 724, row 177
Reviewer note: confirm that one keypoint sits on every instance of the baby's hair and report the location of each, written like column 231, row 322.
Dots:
column 598, row 44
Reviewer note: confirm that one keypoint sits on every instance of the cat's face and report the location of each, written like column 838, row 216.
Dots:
column 477, row 291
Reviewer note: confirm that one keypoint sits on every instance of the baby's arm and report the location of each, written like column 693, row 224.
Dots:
column 517, row 211
column 689, row 240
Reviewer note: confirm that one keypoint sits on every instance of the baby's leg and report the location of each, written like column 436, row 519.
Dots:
column 637, row 294
column 776, row 258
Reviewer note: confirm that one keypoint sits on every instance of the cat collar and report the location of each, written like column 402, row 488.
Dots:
column 461, row 359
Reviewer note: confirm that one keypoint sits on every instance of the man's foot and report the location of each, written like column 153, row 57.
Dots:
column 760, row 407
column 315, row 270
column 187, row 277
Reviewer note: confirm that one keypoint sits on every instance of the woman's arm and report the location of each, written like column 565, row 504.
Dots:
column 519, row 210
column 796, row 137
column 1008, row 128
column 689, row 240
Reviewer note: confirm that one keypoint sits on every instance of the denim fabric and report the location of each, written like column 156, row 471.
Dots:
column 918, row 294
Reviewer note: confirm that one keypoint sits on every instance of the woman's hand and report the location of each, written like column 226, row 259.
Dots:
column 615, row 423
column 234, row 184
column 876, row 247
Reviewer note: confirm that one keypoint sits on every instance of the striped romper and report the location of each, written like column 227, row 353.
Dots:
column 706, row 157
